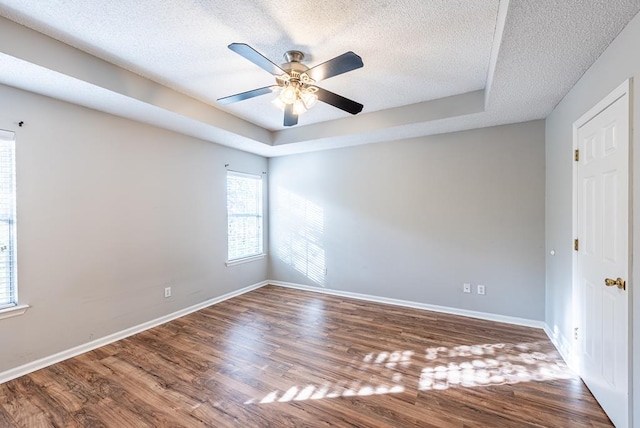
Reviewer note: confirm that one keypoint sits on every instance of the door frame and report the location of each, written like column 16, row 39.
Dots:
column 623, row 90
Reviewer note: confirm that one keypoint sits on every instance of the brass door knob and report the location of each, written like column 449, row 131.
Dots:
column 620, row 283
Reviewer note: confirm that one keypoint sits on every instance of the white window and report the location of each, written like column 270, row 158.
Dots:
column 244, row 215
column 8, row 292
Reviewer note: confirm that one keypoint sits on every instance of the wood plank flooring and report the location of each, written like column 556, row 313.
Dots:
column 278, row 357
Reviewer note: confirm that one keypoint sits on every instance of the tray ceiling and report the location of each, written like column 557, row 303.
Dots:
column 429, row 66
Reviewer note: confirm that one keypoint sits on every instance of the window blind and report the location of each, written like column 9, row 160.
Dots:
column 244, row 215
column 8, row 295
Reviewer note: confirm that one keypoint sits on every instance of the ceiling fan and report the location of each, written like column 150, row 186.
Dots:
column 296, row 82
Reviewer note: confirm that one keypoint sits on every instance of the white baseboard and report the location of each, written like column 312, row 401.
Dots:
column 86, row 347
column 558, row 341
column 94, row 344
column 435, row 308
column 562, row 345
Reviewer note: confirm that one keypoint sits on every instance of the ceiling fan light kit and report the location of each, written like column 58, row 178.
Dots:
column 297, row 86
column 296, row 82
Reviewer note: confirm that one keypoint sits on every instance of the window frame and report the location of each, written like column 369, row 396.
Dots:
column 260, row 199
column 11, row 308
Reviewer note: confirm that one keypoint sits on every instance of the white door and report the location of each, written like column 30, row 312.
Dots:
column 603, row 256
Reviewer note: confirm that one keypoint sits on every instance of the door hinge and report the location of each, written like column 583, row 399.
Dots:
column 575, row 244
column 576, row 155
column 575, row 333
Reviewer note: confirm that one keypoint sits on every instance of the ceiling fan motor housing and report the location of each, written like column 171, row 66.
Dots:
column 294, row 68
column 297, row 81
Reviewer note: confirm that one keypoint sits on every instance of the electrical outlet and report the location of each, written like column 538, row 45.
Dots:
column 167, row 292
column 466, row 287
column 480, row 289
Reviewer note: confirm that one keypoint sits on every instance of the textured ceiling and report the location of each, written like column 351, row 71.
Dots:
column 425, row 62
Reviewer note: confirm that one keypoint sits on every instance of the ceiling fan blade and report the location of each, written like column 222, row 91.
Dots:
column 290, row 119
column 339, row 101
column 341, row 64
column 246, row 95
column 256, row 57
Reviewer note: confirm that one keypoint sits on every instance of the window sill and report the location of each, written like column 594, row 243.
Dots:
column 13, row 311
column 230, row 263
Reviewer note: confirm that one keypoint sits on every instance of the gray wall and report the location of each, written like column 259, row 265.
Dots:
column 619, row 62
column 415, row 219
column 110, row 212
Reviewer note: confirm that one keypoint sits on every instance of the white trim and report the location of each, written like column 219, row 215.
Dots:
column 235, row 262
column 86, row 347
column 622, row 91
column 434, row 308
column 94, row 344
column 13, row 311
column 614, row 96
column 563, row 346
column 498, row 34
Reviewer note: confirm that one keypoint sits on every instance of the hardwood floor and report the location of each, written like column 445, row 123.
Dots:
column 278, row 357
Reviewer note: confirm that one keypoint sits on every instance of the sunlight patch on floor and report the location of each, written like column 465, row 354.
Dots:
column 311, row 392
column 442, row 368
column 485, row 365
